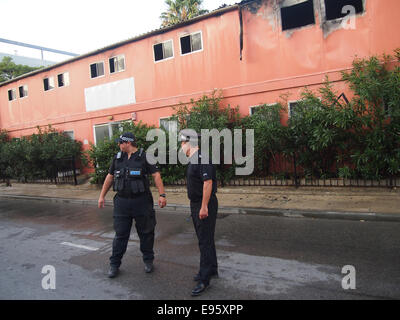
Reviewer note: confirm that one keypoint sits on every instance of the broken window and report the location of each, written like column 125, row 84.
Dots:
column 191, row 43
column 23, row 91
column 163, row 50
column 334, row 8
column 12, row 95
column 48, row 83
column 117, row 64
column 298, row 15
column 63, row 79
column 96, row 69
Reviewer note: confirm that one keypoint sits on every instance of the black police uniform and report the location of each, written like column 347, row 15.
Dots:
column 205, row 228
column 132, row 201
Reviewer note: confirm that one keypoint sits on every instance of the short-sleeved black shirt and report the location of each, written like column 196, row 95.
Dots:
column 196, row 175
column 126, row 163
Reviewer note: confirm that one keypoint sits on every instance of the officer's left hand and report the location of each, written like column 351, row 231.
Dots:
column 203, row 213
column 162, row 202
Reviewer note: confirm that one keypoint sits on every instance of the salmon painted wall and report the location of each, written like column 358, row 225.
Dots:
column 274, row 62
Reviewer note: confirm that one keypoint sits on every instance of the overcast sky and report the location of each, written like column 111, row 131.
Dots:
column 79, row 26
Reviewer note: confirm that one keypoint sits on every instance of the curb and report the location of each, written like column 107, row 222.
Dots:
column 288, row 213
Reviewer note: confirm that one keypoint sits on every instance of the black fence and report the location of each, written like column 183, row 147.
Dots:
column 60, row 171
column 286, row 172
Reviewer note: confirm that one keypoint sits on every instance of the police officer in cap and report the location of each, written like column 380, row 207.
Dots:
column 201, row 189
column 133, row 200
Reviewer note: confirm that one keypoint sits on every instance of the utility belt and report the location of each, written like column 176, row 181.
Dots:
column 129, row 181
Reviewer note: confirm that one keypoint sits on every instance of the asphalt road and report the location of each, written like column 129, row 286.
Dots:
column 260, row 257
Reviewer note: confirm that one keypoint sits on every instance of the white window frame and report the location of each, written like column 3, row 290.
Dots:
column 289, row 109
column 190, row 34
column 25, row 89
column 15, row 94
column 165, row 59
column 109, row 124
column 67, row 132
column 90, row 70
column 164, row 118
column 109, row 66
column 259, row 105
column 65, row 85
column 54, row 84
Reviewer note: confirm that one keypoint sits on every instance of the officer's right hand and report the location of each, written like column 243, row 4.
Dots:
column 101, row 202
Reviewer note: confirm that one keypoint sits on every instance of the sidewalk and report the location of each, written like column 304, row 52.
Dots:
column 381, row 204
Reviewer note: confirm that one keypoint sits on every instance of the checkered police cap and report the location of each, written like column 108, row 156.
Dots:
column 126, row 137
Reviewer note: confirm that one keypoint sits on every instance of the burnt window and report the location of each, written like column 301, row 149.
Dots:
column 48, row 83
column 191, row 42
column 12, row 95
column 97, row 69
column 163, row 50
column 23, row 91
column 334, row 8
column 298, row 15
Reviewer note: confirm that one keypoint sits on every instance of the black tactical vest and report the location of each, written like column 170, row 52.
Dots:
column 129, row 175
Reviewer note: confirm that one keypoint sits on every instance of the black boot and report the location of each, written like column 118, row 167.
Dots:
column 113, row 272
column 148, row 267
column 199, row 288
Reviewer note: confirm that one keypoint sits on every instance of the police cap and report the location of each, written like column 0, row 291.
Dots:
column 126, row 137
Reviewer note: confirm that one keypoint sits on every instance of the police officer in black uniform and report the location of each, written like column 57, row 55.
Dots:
column 133, row 200
column 201, row 188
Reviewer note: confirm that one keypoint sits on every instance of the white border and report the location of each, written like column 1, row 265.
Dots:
column 90, row 70
column 109, row 67
column 169, row 58
column 289, row 110
column 259, row 105
column 8, row 97
column 189, row 34
column 58, row 86
column 51, row 88
column 27, row 91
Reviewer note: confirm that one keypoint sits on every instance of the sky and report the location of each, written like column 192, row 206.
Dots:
column 78, row 26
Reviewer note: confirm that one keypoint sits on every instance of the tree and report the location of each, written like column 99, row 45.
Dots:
column 181, row 10
column 10, row 70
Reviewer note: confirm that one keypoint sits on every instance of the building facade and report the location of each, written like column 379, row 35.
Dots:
column 254, row 52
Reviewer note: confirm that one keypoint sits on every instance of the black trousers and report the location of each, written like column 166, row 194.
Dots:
column 205, row 231
column 125, row 211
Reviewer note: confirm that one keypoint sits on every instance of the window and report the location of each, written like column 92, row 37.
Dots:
column 117, row 64
column 255, row 109
column 48, row 83
column 63, row 79
column 106, row 131
column 12, row 94
column 23, row 91
column 70, row 134
column 164, row 123
column 333, row 8
column 163, row 50
column 191, row 43
column 292, row 108
column 298, row 15
column 97, row 69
